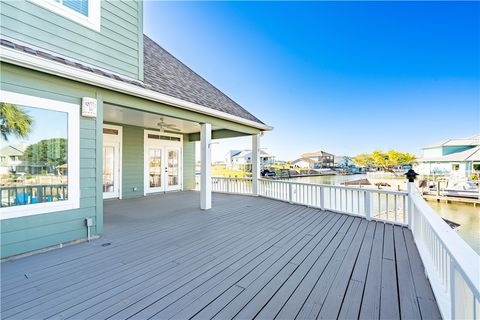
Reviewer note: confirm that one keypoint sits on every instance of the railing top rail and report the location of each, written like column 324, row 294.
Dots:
column 33, row 186
column 228, row 178
column 466, row 259
column 337, row 186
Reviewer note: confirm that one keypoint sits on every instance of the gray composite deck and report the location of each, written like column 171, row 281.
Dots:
column 248, row 257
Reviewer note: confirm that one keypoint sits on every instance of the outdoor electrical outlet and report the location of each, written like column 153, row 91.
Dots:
column 89, row 222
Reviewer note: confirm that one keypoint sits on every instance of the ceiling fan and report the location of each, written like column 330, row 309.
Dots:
column 166, row 126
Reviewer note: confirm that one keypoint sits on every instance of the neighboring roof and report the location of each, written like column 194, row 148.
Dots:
column 342, row 158
column 245, row 153
column 316, row 154
column 304, row 159
column 467, row 141
column 472, row 154
column 164, row 74
column 13, row 150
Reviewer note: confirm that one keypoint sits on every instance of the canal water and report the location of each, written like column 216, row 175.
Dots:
column 464, row 214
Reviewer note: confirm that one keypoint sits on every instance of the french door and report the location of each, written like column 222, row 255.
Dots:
column 111, row 161
column 163, row 159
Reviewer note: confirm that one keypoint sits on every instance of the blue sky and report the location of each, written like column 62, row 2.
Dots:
column 47, row 124
column 344, row 77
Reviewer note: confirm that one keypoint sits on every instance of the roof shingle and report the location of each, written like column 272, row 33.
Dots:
column 163, row 73
column 166, row 74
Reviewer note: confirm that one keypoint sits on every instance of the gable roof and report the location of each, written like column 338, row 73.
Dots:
column 166, row 74
column 244, row 153
column 163, row 73
column 316, row 154
column 472, row 154
column 304, row 159
column 13, row 150
column 467, row 141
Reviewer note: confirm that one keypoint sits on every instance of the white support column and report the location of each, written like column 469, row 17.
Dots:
column 206, row 166
column 255, row 163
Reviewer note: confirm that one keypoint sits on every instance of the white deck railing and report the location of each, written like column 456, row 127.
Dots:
column 451, row 265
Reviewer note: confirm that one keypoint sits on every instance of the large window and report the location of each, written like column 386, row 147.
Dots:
column 39, row 165
column 85, row 12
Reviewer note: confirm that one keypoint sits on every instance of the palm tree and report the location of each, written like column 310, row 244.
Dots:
column 14, row 120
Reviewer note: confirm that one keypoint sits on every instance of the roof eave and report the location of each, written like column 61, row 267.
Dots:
column 23, row 59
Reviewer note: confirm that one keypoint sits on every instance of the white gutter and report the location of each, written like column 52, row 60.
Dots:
column 30, row 61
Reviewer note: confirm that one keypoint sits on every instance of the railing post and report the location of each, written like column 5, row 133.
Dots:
column 411, row 175
column 322, row 204
column 290, row 193
column 368, row 205
column 410, row 189
column 452, row 289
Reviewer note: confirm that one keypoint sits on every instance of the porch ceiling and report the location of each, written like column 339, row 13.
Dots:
column 116, row 114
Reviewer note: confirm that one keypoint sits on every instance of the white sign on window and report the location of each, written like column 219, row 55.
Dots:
column 89, row 107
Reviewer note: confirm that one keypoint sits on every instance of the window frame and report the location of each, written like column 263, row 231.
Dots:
column 473, row 166
column 454, row 165
column 91, row 21
column 73, row 136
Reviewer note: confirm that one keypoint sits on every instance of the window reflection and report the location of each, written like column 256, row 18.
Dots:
column 33, row 156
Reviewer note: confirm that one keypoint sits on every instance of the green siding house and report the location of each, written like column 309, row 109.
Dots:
column 111, row 115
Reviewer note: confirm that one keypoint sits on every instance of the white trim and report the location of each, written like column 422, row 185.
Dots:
column 119, row 140
column 92, row 21
column 164, row 145
column 27, row 60
column 73, row 201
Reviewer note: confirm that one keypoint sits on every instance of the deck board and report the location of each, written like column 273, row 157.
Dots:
column 246, row 258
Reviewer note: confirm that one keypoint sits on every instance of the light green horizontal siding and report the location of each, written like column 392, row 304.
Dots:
column 133, row 162
column 188, row 164
column 24, row 234
column 118, row 46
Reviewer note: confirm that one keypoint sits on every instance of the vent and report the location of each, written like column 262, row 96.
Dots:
column 110, row 131
column 153, row 136
column 159, row 137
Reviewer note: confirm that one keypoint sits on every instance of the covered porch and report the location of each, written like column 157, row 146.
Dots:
column 154, row 151
column 248, row 257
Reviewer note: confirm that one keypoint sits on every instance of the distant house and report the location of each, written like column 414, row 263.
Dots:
column 344, row 162
column 11, row 158
column 453, row 156
column 304, row 163
column 322, row 159
column 242, row 159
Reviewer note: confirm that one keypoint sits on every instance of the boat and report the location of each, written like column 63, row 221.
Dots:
column 461, row 186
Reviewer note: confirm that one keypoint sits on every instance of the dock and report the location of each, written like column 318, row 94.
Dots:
column 450, row 199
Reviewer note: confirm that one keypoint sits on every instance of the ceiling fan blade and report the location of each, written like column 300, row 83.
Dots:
column 174, row 129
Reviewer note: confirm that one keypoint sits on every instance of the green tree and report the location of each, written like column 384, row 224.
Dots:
column 14, row 120
column 363, row 160
column 48, row 152
column 385, row 160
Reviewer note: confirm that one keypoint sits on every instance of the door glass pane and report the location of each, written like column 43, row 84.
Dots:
column 108, row 168
column 173, row 168
column 155, row 167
